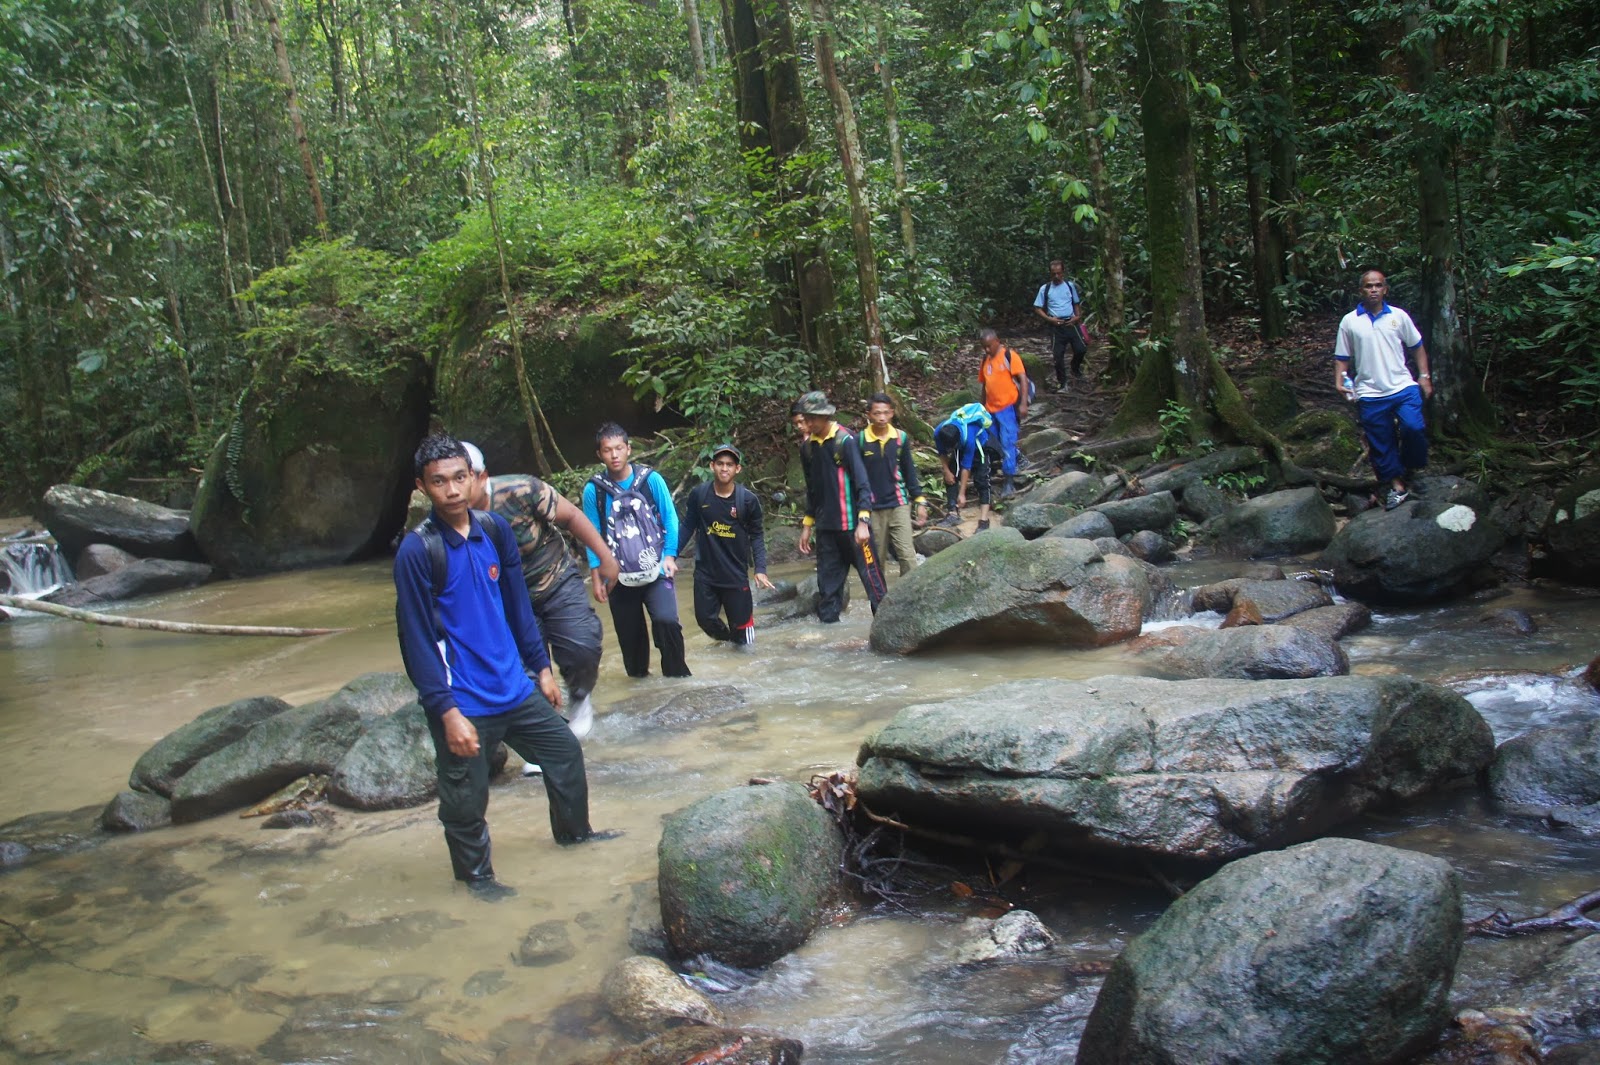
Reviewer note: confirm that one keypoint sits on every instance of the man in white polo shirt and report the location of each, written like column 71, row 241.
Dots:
column 1369, row 366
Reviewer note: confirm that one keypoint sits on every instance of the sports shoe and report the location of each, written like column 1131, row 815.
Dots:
column 489, row 889
column 582, row 720
column 1063, row 390
column 952, row 518
column 982, row 525
column 1395, row 497
column 531, row 769
column 595, row 836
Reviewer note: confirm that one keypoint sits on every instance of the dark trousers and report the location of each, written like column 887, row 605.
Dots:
column 982, row 462
column 536, row 732
column 837, row 551
column 1061, row 338
column 628, row 609
column 711, row 602
column 572, row 630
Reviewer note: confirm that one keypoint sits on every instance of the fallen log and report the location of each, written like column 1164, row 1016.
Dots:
column 190, row 628
column 1568, row 917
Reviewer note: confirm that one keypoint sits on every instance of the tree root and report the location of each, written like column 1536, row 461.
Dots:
column 189, row 627
column 1563, row 918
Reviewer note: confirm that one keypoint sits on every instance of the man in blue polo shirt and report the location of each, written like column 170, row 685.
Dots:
column 1369, row 366
column 464, row 649
column 1058, row 304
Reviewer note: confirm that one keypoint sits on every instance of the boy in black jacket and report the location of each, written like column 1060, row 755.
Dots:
column 726, row 519
column 838, row 510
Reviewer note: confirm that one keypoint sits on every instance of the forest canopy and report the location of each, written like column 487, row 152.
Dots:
column 763, row 195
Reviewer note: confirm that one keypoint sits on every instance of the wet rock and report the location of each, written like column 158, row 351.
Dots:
column 1002, row 588
column 1581, row 821
column 147, row 576
column 1073, row 488
column 1488, row 1037
column 932, row 540
column 1254, row 652
column 97, row 560
column 1587, row 1053
column 1206, row 769
column 1110, row 546
column 390, row 767
column 315, row 469
column 1150, row 546
column 1426, row 549
column 647, row 996
column 1245, row 613
column 158, row 769
column 804, row 603
column 1554, row 979
column 703, row 1043
column 1554, row 766
column 1014, row 935
column 781, row 592
column 1510, row 619
column 1202, row 502
column 374, row 696
column 746, row 874
column 1332, row 622
column 308, row 739
column 1572, row 530
column 1033, row 520
column 1090, row 525
column 1591, row 673
column 314, row 817
column 1279, row 523
column 546, row 943
column 1157, row 511
column 1272, row 600
column 13, row 853
column 78, row 517
column 136, row 811
column 1331, row 951
column 1180, row 479
column 691, row 707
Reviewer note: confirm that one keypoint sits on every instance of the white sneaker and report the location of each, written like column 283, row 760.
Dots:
column 530, row 769
column 582, row 720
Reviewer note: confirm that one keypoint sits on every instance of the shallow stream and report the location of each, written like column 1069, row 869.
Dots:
column 222, row 942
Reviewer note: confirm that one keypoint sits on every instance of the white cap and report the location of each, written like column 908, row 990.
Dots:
column 474, row 458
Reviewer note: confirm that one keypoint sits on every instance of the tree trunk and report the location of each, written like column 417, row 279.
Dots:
column 697, row 45
column 855, row 180
column 891, row 115
column 1274, row 18
column 1248, row 96
column 285, row 71
column 1112, row 265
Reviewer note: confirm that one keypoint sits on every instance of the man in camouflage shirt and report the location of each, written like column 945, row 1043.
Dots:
column 537, row 513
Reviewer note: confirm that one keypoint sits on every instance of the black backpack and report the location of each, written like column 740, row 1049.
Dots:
column 439, row 556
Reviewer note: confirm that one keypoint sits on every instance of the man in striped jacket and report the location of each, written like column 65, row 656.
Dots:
column 838, row 509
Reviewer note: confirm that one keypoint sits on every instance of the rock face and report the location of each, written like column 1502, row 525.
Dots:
column 1279, row 523
column 1328, row 953
column 146, row 576
column 390, row 767
column 1252, row 652
column 1001, row 588
column 1572, row 531
column 315, row 470
column 1555, row 766
column 1205, row 769
column 1425, row 549
column 1156, row 511
column 647, row 996
column 78, row 517
column 746, row 874
column 158, row 769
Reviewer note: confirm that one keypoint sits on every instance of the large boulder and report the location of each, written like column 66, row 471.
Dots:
column 999, row 589
column 1089, row 525
column 78, row 517
column 1073, row 488
column 316, row 467
column 1269, row 601
column 1333, row 622
column 1202, row 501
column 1156, row 511
column 746, row 874
column 1033, row 520
column 1554, row 766
column 1205, row 769
column 390, row 767
column 1251, row 652
column 157, row 771
column 147, row 576
column 1572, row 530
column 1426, row 549
column 1329, row 953
column 1041, row 444
column 1278, row 523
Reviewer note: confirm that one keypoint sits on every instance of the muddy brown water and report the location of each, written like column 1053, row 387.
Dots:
column 222, row 942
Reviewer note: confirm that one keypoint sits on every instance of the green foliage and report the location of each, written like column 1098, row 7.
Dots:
column 1239, row 482
column 1557, row 301
column 1174, row 420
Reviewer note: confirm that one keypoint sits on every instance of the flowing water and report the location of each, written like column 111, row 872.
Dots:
column 222, row 942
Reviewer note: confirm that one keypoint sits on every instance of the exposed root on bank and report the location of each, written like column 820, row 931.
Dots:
column 1572, row 915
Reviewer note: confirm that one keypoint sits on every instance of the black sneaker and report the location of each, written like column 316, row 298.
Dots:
column 490, row 890
column 952, row 518
column 1395, row 497
column 595, row 836
column 982, row 525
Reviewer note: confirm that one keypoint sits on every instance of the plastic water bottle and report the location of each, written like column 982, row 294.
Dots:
column 1349, row 389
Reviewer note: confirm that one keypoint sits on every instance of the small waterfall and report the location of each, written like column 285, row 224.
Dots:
column 32, row 567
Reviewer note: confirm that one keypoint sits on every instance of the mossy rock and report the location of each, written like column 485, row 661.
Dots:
column 1272, row 399
column 1324, row 439
column 951, row 400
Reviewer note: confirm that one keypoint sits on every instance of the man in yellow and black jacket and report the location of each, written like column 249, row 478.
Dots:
column 838, row 509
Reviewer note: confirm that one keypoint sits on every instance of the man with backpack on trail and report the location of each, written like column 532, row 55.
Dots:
column 726, row 520
column 967, row 449
column 838, row 515
column 1003, row 380
column 469, row 643
column 1059, row 304
column 632, row 507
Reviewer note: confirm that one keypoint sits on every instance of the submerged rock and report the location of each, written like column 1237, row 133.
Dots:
column 746, row 874
column 1014, row 935
column 647, row 996
column 1554, row 766
column 1204, row 769
column 706, row 1043
column 1327, row 953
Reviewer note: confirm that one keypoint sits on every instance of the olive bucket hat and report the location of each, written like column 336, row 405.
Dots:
column 816, row 403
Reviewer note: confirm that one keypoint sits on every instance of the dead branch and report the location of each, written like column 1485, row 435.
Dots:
column 1563, row 918
column 187, row 627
